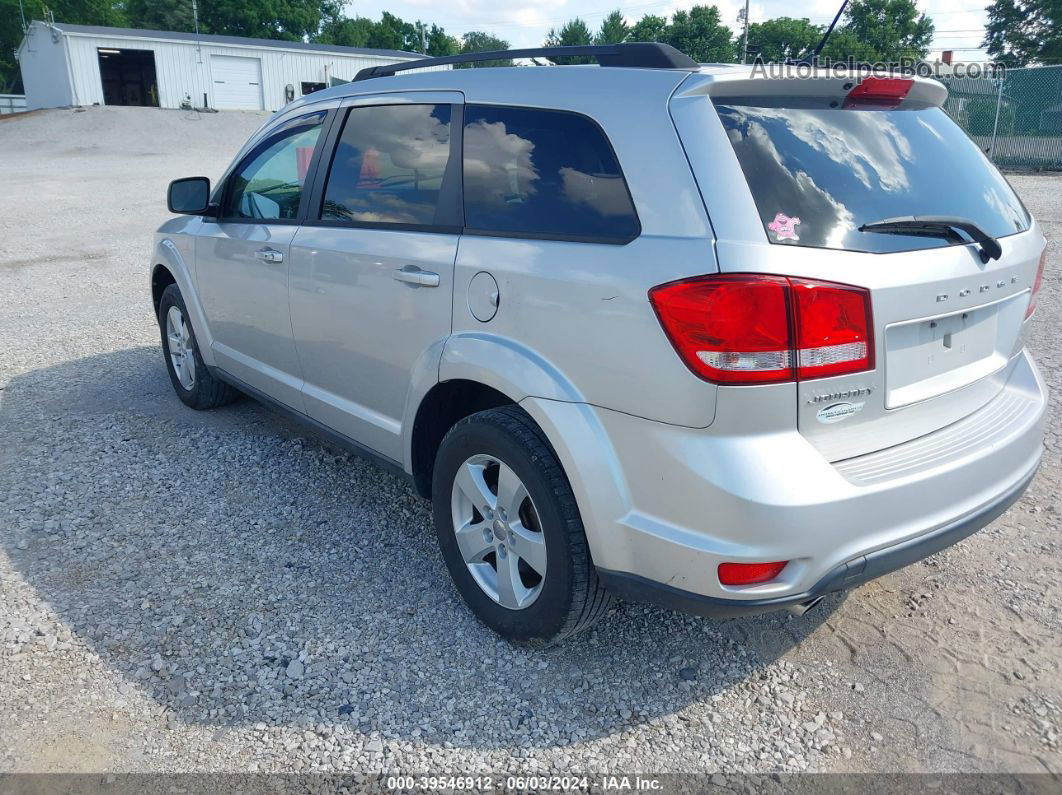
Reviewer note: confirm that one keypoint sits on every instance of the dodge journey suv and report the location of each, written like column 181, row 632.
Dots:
column 649, row 329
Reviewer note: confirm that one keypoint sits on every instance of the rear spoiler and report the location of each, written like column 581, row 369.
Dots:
column 788, row 80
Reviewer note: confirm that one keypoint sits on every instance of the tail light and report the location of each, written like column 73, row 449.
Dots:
column 1036, row 285
column 833, row 328
column 881, row 92
column 749, row 573
column 760, row 329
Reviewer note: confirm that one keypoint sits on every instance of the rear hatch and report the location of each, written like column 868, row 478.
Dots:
column 822, row 160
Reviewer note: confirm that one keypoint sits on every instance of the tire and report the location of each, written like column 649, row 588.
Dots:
column 488, row 449
column 194, row 384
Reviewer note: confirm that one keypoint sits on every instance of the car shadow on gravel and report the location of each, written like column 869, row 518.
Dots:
column 237, row 569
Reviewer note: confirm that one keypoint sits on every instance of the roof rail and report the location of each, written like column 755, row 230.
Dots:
column 642, row 55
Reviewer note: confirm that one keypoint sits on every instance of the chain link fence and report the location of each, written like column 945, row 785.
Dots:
column 1016, row 119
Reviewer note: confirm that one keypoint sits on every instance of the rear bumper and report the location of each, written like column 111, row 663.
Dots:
column 663, row 505
column 846, row 575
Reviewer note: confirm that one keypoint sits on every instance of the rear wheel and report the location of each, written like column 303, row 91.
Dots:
column 510, row 531
column 194, row 384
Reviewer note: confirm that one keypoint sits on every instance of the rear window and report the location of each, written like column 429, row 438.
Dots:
column 818, row 173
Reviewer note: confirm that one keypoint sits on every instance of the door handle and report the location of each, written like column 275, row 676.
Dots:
column 411, row 274
column 269, row 255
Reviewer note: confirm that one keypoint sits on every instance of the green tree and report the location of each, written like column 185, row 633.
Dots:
column 347, row 32
column 477, row 41
column 390, row 33
column 393, row 33
column 649, row 28
column 1022, row 32
column 160, row 15
column 701, row 34
column 881, row 30
column 78, row 12
column 574, row 33
column 290, row 20
column 614, row 29
column 441, row 43
column 779, row 39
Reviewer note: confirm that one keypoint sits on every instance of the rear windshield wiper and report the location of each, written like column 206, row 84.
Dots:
column 944, row 226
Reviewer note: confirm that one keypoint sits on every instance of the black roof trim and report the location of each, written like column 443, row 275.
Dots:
column 641, row 55
column 209, row 38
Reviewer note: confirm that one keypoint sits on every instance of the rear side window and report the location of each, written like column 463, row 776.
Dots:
column 818, row 173
column 543, row 174
column 389, row 166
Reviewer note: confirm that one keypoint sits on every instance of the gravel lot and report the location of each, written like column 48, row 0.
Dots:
column 224, row 591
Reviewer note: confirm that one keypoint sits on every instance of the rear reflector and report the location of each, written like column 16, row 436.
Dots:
column 882, row 92
column 749, row 573
column 761, row 329
column 1037, row 283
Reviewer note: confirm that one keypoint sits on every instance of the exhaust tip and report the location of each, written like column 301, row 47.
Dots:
column 803, row 607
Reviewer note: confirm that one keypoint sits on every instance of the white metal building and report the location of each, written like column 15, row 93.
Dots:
column 66, row 65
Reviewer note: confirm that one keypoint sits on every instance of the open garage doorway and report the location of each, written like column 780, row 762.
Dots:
column 128, row 77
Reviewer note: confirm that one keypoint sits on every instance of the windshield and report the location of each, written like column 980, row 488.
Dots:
column 818, row 173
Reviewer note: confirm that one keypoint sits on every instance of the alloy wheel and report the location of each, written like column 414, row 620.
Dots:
column 179, row 342
column 499, row 532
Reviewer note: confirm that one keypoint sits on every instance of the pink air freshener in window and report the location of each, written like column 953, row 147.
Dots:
column 369, row 178
column 784, row 227
column 303, row 156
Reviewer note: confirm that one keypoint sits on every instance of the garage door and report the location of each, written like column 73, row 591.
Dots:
column 237, row 82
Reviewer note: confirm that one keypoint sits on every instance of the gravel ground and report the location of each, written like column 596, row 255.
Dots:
column 224, row 591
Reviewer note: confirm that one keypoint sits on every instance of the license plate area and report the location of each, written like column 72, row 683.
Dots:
column 931, row 356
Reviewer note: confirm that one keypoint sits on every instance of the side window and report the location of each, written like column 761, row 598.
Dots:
column 542, row 173
column 268, row 184
column 389, row 166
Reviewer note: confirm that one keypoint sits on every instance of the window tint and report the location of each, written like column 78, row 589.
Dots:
column 389, row 165
column 268, row 184
column 543, row 174
column 817, row 173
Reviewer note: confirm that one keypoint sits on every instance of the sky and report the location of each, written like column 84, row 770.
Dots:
column 524, row 23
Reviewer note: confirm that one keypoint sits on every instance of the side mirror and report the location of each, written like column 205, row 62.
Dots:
column 189, row 196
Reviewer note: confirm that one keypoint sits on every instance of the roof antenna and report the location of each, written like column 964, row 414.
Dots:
column 813, row 57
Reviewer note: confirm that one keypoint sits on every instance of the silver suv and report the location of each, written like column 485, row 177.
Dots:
column 670, row 332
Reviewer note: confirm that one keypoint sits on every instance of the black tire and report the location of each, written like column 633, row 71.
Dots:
column 571, row 598
column 206, row 392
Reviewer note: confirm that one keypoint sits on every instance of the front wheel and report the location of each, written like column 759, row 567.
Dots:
column 510, row 531
column 194, row 384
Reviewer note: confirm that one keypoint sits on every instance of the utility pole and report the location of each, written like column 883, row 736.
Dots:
column 745, row 37
column 195, row 20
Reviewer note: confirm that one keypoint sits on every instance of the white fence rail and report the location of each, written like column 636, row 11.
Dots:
column 12, row 103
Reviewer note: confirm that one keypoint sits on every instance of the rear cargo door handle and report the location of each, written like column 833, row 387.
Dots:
column 411, row 274
column 269, row 255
